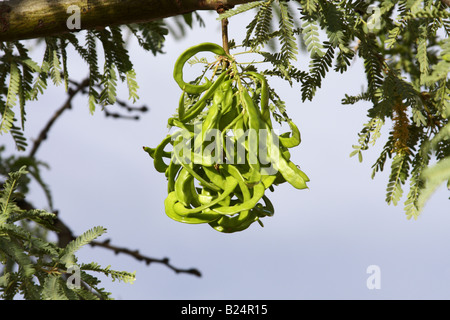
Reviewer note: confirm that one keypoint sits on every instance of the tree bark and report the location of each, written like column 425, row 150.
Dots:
column 26, row 19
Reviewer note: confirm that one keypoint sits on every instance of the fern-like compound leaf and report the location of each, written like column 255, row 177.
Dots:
column 67, row 256
column 239, row 9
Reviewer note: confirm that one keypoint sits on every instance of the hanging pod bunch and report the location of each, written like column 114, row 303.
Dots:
column 224, row 153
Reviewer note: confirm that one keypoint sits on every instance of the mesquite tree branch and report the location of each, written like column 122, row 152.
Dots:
column 26, row 19
column 138, row 256
column 72, row 92
column 67, row 105
column 64, row 233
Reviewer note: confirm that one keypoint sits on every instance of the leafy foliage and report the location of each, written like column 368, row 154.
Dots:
column 23, row 79
column 406, row 63
column 240, row 9
column 44, row 270
column 33, row 267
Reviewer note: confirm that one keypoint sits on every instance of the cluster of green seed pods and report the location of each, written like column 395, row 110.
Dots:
column 224, row 154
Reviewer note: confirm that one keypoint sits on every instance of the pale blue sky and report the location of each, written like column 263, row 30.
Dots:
column 318, row 244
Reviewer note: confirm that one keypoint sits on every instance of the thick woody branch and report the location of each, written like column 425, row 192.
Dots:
column 26, row 19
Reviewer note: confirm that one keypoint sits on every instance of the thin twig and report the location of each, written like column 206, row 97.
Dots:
column 67, row 105
column 225, row 36
column 65, row 235
column 225, row 44
column 138, row 256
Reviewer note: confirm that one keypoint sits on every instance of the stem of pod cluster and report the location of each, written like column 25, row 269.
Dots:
column 225, row 45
